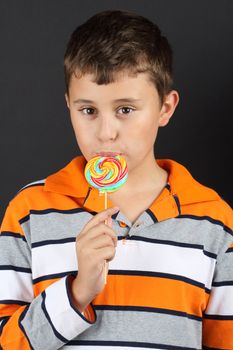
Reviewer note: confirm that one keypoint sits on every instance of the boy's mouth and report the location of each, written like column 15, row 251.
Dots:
column 107, row 154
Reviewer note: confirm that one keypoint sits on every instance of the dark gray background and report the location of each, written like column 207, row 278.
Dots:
column 36, row 138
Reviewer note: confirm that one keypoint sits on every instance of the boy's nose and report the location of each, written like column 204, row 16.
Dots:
column 107, row 131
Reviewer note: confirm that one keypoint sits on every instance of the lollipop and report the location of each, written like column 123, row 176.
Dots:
column 107, row 174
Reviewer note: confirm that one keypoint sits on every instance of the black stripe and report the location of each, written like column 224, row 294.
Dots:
column 13, row 302
column 15, row 268
column 211, row 255
column 222, row 283
column 58, row 335
column 219, row 317
column 208, row 218
column 177, row 202
column 53, row 276
column 2, row 318
column 3, row 321
column 152, row 215
column 148, row 309
column 207, row 348
column 115, row 215
column 136, row 238
column 53, row 241
column 156, row 274
column 52, row 210
column 24, row 219
column 33, row 185
column 167, row 242
column 229, row 250
column 12, row 234
column 208, row 291
column 21, row 326
column 172, row 243
column 87, row 195
column 128, row 344
column 61, row 211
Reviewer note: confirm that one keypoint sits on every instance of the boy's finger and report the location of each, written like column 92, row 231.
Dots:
column 109, row 221
column 100, row 217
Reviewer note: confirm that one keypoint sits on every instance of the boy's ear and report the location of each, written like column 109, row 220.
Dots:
column 67, row 100
column 170, row 103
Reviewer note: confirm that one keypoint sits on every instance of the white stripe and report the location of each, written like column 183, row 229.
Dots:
column 143, row 256
column 221, row 301
column 34, row 183
column 133, row 255
column 16, row 286
column 53, row 258
column 64, row 318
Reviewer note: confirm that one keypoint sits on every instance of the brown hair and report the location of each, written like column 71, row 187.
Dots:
column 116, row 41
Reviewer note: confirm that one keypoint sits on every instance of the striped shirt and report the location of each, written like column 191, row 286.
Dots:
column 169, row 286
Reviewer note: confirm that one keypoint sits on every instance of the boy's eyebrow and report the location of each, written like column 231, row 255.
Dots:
column 81, row 100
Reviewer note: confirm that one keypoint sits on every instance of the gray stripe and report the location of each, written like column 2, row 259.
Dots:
column 38, row 329
column 27, row 231
column 14, row 251
column 55, row 225
column 185, row 230
column 144, row 327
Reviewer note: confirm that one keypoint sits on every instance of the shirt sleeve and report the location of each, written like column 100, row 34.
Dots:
column 218, row 317
column 47, row 321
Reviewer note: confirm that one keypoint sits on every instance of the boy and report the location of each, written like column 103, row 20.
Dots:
column 167, row 239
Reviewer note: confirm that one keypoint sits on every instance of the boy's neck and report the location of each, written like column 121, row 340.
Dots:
column 143, row 179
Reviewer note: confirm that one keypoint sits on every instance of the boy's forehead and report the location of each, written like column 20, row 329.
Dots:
column 123, row 83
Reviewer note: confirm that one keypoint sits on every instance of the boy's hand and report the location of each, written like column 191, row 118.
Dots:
column 96, row 243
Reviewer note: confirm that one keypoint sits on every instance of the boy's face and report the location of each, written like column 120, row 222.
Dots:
column 121, row 117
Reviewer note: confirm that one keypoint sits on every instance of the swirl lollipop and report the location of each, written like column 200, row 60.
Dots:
column 107, row 174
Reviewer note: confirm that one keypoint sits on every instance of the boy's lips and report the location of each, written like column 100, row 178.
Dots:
column 107, row 154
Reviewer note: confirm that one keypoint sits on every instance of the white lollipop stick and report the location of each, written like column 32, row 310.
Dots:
column 106, row 222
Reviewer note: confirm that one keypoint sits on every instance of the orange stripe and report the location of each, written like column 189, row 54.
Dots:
column 12, row 336
column 40, row 200
column 10, row 223
column 218, row 334
column 41, row 286
column 215, row 210
column 153, row 292
column 89, row 313
column 8, row 309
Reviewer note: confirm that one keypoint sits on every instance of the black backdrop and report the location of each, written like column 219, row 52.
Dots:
column 36, row 138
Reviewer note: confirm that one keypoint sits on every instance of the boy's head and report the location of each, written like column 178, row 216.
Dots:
column 116, row 41
column 118, row 72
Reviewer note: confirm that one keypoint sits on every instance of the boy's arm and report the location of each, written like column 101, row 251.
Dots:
column 46, row 321
column 218, row 317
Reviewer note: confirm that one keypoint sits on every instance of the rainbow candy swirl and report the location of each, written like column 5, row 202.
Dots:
column 107, row 174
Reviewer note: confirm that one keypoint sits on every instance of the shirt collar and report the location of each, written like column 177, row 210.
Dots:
column 183, row 189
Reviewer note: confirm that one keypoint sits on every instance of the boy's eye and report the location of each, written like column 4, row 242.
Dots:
column 88, row 109
column 126, row 110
